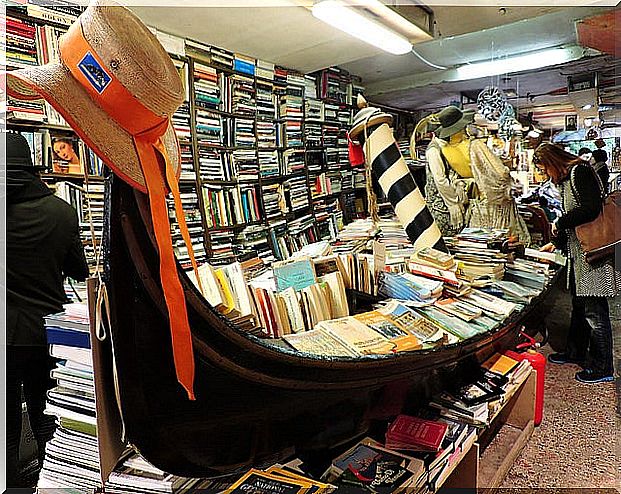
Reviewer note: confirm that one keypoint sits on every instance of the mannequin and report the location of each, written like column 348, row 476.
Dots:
column 447, row 184
column 467, row 184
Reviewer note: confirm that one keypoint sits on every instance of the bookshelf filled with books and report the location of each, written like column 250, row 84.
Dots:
column 263, row 148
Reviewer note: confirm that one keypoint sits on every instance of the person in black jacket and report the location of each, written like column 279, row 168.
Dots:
column 42, row 247
column 600, row 156
column 589, row 341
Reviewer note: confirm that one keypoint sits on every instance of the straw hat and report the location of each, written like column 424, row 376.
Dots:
column 367, row 117
column 452, row 120
column 116, row 86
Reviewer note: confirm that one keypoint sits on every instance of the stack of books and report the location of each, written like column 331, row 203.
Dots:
column 334, row 85
column 209, row 129
column 221, row 57
column 243, row 94
column 330, row 135
column 479, row 255
column 365, row 467
column 344, row 117
column 331, row 112
column 206, row 87
column 342, row 145
column 314, row 109
column 264, row 70
column 244, row 133
column 221, row 247
column 136, row 475
column 360, row 179
column 292, row 136
column 528, row 273
column 301, row 232
column 312, row 134
column 266, row 134
column 314, row 161
column 298, row 193
column 21, row 47
column 253, row 240
column 269, row 165
column 407, row 286
column 211, row 165
column 347, row 179
column 332, row 159
column 293, row 161
column 407, row 433
column 310, row 87
column 278, row 235
column 280, row 80
column 272, row 194
column 244, row 64
column 72, row 455
column 246, row 165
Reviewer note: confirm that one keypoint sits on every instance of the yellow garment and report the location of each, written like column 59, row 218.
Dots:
column 457, row 153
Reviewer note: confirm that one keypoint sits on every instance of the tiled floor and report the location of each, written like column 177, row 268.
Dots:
column 578, row 444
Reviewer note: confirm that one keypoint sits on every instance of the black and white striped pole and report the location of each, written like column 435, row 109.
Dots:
column 371, row 128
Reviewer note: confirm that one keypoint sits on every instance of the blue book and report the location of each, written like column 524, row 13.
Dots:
column 296, row 273
column 67, row 337
column 243, row 66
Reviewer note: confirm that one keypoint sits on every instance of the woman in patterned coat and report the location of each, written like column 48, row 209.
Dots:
column 589, row 341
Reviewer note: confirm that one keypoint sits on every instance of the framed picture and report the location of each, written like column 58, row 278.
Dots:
column 571, row 122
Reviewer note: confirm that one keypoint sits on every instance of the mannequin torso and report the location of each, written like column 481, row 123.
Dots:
column 457, row 154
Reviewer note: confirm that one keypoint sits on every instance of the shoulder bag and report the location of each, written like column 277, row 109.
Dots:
column 600, row 237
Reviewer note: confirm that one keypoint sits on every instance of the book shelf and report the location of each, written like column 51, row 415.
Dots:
column 264, row 163
column 485, row 463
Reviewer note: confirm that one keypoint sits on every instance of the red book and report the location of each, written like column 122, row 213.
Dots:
column 415, row 434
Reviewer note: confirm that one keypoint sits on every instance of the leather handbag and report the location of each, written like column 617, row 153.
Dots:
column 600, row 237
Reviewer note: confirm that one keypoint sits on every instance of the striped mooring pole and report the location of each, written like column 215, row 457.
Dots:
column 371, row 128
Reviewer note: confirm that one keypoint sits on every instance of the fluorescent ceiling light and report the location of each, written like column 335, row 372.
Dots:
column 391, row 18
column 519, row 63
column 340, row 16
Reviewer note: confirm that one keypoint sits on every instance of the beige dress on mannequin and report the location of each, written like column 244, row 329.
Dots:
column 479, row 195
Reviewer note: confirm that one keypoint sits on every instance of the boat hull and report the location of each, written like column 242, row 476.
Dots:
column 255, row 402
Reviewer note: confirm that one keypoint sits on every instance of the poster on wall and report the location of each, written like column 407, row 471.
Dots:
column 571, row 122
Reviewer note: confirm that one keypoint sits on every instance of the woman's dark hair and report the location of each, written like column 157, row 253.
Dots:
column 600, row 156
column 556, row 162
column 584, row 151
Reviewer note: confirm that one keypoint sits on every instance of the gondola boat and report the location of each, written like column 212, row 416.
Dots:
column 255, row 401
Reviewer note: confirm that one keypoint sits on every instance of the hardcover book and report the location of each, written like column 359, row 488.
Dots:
column 415, row 434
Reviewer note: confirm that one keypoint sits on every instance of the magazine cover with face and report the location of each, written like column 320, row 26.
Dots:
column 66, row 155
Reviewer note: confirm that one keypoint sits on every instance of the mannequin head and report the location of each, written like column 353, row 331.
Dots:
column 453, row 121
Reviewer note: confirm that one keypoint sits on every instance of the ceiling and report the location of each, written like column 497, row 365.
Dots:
column 286, row 33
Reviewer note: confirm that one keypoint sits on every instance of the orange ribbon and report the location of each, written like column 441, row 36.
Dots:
column 147, row 130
